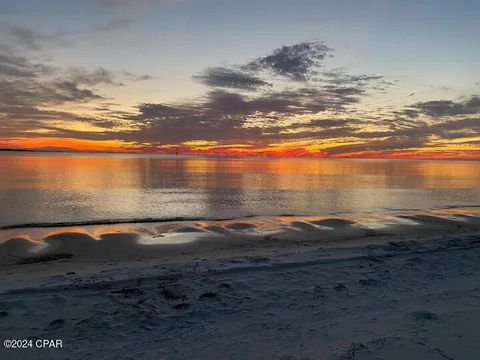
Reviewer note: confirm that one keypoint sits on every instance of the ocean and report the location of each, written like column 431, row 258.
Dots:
column 49, row 188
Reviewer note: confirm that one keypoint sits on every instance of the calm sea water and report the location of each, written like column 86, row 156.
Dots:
column 52, row 187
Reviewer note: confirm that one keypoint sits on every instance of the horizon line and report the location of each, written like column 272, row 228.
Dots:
column 253, row 155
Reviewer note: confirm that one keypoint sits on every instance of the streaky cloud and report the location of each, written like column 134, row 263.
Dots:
column 440, row 108
column 230, row 78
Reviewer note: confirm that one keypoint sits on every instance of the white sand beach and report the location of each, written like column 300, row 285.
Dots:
column 373, row 287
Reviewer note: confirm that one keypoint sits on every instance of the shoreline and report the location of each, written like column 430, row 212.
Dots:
column 197, row 218
column 41, row 252
column 230, row 156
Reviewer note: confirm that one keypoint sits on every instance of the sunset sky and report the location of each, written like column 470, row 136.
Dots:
column 336, row 78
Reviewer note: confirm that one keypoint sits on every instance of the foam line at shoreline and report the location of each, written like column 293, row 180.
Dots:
column 147, row 220
column 197, row 237
column 120, row 221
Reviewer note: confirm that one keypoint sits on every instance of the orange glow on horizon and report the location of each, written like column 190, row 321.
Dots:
column 39, row 143
column 453, row 151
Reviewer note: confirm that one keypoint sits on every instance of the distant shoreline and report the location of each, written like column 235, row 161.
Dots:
column 78, row 152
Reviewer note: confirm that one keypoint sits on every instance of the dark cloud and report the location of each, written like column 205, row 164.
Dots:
column 25, row 100
column 236, row 104
column 294, row 101
column 26, row 37
column 326, row 123
column 68, row 91
column 12, row 66
column 416, row 135
column 29, row 91
column 340, row 77
column 162, row 124
column 21, row 37
column 392, row 143
column 229, row 78
column 440, row 108
column 412, row 113
column 344, row 91
column 343, row 81
column 28, row 83
column 25, row 84
column 455, row 129
column 297, row 62
column 224, row 117
column 150, row 111
column 92, row 78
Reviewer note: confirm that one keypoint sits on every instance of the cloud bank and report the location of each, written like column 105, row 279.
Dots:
column 287, row 99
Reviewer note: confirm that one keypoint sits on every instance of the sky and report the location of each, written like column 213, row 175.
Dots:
column 339, row 78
